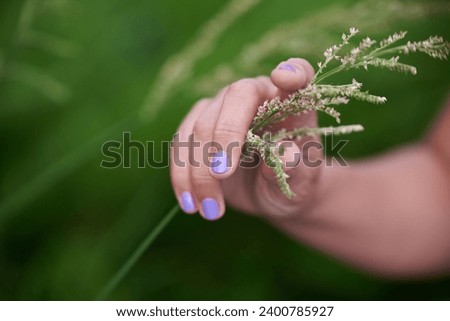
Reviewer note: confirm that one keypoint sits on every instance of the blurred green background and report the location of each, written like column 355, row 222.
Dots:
column 74, row 74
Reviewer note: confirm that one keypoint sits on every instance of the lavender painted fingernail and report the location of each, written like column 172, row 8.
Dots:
column 219, row 164
column 211, row 209
column 187, row 202
column 288, row 67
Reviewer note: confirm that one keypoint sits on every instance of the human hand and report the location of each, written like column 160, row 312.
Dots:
column 221, row 124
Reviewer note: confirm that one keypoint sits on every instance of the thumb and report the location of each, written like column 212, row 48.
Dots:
column 292, row 74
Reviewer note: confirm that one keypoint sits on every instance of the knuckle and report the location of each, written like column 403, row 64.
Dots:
column 202, row 102
column 201, row 177
column 182, row 129
column 243, row 87
column 226, row 131
column 262, row 79
column 200, row 129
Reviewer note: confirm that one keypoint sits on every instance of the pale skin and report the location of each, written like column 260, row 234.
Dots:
column 388, row 215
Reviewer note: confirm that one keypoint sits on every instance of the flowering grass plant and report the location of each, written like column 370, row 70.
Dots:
column 323, row 97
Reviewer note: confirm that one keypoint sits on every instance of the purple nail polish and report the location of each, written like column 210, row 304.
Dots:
column 211, row 209
column 187, row 202
column 219, row 164
column 288, row 67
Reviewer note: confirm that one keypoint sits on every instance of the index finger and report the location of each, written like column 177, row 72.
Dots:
column 239, row 106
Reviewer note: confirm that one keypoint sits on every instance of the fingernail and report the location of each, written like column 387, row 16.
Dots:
column 211, row 209
column 187, row 202
column 219, row 164
column 288, row 67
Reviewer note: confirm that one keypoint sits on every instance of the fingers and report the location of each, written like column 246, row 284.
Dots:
column 218, row 130
column 194, row 187
column 293, row 74
column 221, row 130
column 238, row 109
column 180, row 159
column 207, row 190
